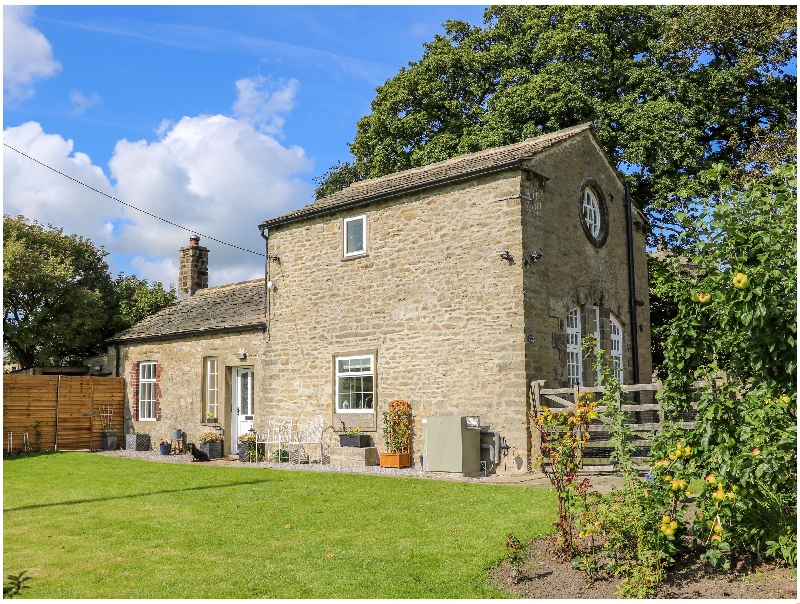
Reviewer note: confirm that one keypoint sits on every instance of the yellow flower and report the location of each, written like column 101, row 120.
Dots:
column 740, row 281
column 703, row 298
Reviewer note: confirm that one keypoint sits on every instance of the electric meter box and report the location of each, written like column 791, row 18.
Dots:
column 451, row 444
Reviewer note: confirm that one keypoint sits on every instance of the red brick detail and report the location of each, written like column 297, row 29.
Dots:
column 135, row 392
column 158, row 391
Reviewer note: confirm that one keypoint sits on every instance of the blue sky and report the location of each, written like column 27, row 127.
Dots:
column 212, row 117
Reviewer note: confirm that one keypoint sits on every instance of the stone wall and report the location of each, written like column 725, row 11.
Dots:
column 572, row 272
column 432, row 299
column 181, row 380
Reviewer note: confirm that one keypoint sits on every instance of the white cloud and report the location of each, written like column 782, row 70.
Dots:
column 164, row 270
column 36, row 192
column 27, row 55
column 215, row 175
column 81, row 102
column 261, row 102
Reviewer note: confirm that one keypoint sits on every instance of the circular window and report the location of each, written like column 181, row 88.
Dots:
column 593, row 212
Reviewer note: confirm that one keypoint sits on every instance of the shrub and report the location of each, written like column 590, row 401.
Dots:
column 208, row 435
column 563, row 437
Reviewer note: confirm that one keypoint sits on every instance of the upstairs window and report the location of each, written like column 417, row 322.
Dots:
column 574, row 360
column 591, row 212
column 355, row 384
column 355, row 236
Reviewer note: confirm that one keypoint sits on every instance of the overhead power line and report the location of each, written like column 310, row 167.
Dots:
column 131, row 206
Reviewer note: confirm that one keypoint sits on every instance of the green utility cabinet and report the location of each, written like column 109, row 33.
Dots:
column 451, row 444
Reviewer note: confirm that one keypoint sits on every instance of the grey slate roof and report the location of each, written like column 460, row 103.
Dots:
column 215, row 309
column 431, row 175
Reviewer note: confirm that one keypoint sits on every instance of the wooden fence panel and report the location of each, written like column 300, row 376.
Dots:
column 29, row 405
column 70, row 410
column 74, row 413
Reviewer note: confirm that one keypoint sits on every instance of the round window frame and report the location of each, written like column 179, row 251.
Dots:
column 602, row 235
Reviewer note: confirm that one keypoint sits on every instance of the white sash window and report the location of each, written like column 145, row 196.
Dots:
column 574, row 360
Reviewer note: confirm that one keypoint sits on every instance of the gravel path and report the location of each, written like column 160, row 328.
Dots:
column 536, row 479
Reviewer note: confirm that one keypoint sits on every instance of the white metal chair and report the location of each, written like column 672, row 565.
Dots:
column 276, row 437
column 307, row 438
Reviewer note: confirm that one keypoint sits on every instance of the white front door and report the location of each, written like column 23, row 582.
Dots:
column 242, row 412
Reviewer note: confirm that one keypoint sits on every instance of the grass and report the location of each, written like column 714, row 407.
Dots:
column 90, row 526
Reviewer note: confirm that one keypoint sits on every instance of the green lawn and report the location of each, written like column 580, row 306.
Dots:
column 89, row 526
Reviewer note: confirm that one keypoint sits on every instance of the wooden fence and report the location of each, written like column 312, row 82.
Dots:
column 59, row 412
column 646, row 416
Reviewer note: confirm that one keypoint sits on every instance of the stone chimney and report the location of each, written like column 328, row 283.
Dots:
column 193, row 269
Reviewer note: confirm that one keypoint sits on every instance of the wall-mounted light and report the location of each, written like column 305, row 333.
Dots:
column 531, row 258
column 270, row 286
column 241, row 354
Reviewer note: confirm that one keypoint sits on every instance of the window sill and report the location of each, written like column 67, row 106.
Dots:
column 355, row 257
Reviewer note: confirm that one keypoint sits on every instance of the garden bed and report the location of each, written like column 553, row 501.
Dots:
column 545, row 577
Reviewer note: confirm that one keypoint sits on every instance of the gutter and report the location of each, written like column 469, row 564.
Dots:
column 353, row 203
column 632, row 287
column 185, row 334
column 262, row 228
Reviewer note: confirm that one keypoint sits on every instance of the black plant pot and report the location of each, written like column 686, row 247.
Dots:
column 214, row 450
column 354, row 440
column 109, row 439
column 244, row 453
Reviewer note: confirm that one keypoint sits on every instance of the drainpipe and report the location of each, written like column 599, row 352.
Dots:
column 266, row 276
column 632, row 288
column 116, row 352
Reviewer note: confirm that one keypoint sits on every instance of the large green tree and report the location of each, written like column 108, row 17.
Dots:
column 671, row 90
column 59, row 300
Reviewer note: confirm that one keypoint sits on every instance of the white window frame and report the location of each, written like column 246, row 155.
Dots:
column 363, row 250
column 211, row 371
column 574, row 355
column 598, row 379
column 616, row 349
column 339, row 375
column 591, row 212
column 148, row 380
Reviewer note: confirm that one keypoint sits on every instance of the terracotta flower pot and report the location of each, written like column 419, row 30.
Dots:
column 395, row 460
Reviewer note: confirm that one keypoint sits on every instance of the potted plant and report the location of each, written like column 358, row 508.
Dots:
column 109, row 438
column 247, row 446
column 210, row 442
column 397, row 435
column 165, row 447
column 210, row 419
column 353, row 437
column 137, row 441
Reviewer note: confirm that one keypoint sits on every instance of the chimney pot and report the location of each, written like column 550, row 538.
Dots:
column 194, row 241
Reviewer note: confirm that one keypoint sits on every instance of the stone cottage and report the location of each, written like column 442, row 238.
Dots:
column 452, row 286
